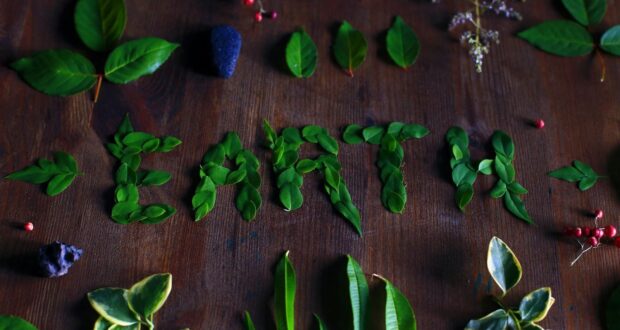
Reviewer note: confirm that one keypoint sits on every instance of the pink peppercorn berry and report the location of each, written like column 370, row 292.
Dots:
column 272, row 14
column 593, row 241
column 587, row 231
column 577, row 232
column 598, row 233
column 539, row 123
column 598, row 214
column 258, row 17
column 28, row 227
column 610, row 231
column 617, row 242
column 248, row 2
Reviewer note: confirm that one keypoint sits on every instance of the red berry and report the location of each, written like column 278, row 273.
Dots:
column 569, row 231
column 273, row 14
column 617, row 242
column 28, row 226
column 258, row 16
column 593, row 241
column 539, row 123
column 587, row 231
column 598, row 233
column 577, row 232
column 598, row 214
column 610, row 231
column 248, row 2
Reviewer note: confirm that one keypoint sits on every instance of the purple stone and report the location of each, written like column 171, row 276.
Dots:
column 225, row 46
column 55, row 259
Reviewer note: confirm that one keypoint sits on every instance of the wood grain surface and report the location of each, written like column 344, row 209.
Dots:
column 221, row 266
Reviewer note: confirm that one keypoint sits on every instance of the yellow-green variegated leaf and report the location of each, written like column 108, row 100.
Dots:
column 503, row 265
column 535, row 306
column 111, row 304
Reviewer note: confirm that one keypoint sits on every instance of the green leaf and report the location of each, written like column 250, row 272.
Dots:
column 204, row 197
column 514, row 204
column 504, row 171
column 587, row 183
column 464, row 195
column 413, row 131
column 612, row 310
column 485, row 167
column 149, row 295
column 100, row 23
column 57, row 72
column 328, row 143
column 497, row 320
column 31, row 174
column 320, row 324
column 121, row 211
column 586, row 12
column 398, row 312
column 560, row 37
column 157, row 213
column 60, row 173
column 584, row 168
column 358, row 293
column 301, row 54
column 153, row 178
column 517, row 188
column 349, row 48
column 247, row 321
column 531, row 326
column 248, row 202
column 168, row 143
column 137, row 58
column 403, row 45
column 284, row 294
column 111, row 304
column 291, row 197
column 102, row 324
column 610, row 41
column 566, row 173
column 503, row 145
column 59, row 184
column 8, row 322
column 503, row 265
column 65, row 162
column 535, row 305
column 305, row 166
column 499, row 190
column 373, row 134
column 353, row 134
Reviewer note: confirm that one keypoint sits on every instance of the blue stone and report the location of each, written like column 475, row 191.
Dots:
column 55, row 259
column 225, row 46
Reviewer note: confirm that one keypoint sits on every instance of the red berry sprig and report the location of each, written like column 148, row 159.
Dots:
column 592, row 237
column 262, row 12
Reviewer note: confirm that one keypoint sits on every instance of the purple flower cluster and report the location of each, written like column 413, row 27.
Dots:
column 500, row 7
column 55, row 259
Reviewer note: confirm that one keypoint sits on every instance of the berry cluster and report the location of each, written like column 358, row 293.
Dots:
column 262, row 12
column 592, row 237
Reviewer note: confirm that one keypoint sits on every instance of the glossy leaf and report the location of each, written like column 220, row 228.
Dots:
column 102, row 324
column 359, row 293
column 398, row 312
column 503, row 265
column 586, row 12
column 149, row 295
column 100, row 23
column 8, row 322
column 560, row 37
column 535, row 305
column 137, row 58
column 349, row 47
column 59, row 183
column 353, row 134
column 284, row 295
column 111, row 304
column 57, row 72
column 531, row 326
column 497, row 320
column 610, row 41
column 247, row 321
column 403, row 45
column 301, row 54
column 503, row 144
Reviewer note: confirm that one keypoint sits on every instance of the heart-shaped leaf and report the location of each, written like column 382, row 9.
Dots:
column 398, row 312
column 358, row 293
column 612, row 310
column 349, row 48
column 498, row 320
column 301, row 54
column 403, row 45
column 560, row 37
column 8, row 322
column 149, row 295
column 100, row 23
column 111, row 304
column 535, row 305
column 57, row 72
column 610, row 41
column 586, row 12
column 137, row 58
column 503, row 265
column 284, row 294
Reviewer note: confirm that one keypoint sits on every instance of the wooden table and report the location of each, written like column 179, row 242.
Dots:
column 221, row 266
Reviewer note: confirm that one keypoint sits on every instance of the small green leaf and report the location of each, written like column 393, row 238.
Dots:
column 204, row 197
column 121, row 211
column 497, row 320
column 503, row 265
column 100, row 23
column 8, row 322
column 612, row 310
column 403, row 45
column 247, row 321
column 65, row 162
column 560, row 37
column 328, row 143
column 535, row 305
column 464, row 195
column 349, row 48
column 284, row 295
column 587, row 183
column 305, row 166
column 291, row 197
column 301, row 54
column 610, row 41
column 373, row 134
column 102, row 324
column 157, row 213
column 111, row 304
column 353, row 134
column 414, row 131
column 485, row 167
column 153, row 178
column 137, row 58
column 514, row 204
column 59, row 184
column 57, row 72
column 359, row 293
column 586, row 12
column 499, row 190
column 31, row 174
column 149, row 295
column 320, row 324
column 398, row 312
column 567, row 173
column 531, row 326
column 168, row 143
column 503, row 145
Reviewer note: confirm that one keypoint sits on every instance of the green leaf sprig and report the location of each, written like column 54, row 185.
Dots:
column 578, row 172
column 213, row 174
column 463, row 172
column 402, row 43
column 390, row 158
column 506, row 271
column 301, row 54
column 127, row 147
column 350, row 48
column 9, row 322
column 100, row 25
column 59, row 173
column 131, row 308
column 570, row 38
column 290, row 169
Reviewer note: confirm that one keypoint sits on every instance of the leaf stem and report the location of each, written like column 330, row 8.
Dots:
column 601, row 60
column 98, row 88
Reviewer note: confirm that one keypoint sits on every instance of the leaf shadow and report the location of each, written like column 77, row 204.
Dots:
column 24, row 262
column 382, row 54
column 197, row 51
column 274, row 54
column 613, row 164
column 66, row 25
column 186, row 199
column 333, row 289
column 376, row 305
column 88, row 314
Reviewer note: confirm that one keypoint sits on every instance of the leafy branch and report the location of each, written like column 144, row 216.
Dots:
column 59, row 173
column 578, row 172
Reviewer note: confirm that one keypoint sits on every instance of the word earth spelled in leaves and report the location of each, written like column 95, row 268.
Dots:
column 100, row 25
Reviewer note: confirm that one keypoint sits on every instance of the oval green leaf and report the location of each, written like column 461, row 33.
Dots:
column 301, row 54
column 560, row 37
column 535, row 305
column 358, row 293
column 349, row 48
column 403, row 45
column 353, row 134
column 586, row 12
column 610, row 41
column 102, row 324
column 284, row 294
column 149, row 295
column 8, row 322
column 100, row 23
column 398, row 312
column 57, row 72
column 137, row 58
column 497, row 320
column 59, row 183
column 111, row 304
column 515, row 205
column 503, row 265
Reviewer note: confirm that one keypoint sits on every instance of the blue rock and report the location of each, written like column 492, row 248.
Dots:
column 55, row 259
column 225, row 48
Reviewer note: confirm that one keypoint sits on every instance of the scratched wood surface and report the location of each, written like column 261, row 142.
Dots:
column 222, row 265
